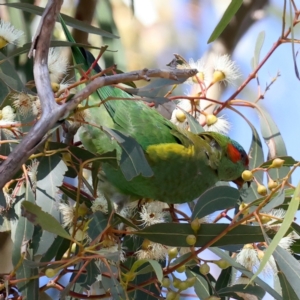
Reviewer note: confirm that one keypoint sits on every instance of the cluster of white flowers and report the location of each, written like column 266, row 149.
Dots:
column 7, row 115
column 154, row 251
column 57, row 64
column 9, row 34
column 100, row 204
column 222, row 70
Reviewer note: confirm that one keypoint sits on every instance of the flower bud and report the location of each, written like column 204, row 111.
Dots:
column 247, row 175
column 166, row 282
column 262, row 190
column 195, row 225
column 277, row 163
column 180, row 115
column 181, row 269
column 272, row 184
column 204, row 269
column 50, row 272
column 222, row 263
column 211, row 119
column 172, row 253
column 191, row 240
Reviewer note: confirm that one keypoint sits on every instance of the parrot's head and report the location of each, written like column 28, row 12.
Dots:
column 233, row 161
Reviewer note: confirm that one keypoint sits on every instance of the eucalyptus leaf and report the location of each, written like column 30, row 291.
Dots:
column 229, row 13
column 215, row 198
column 201, row 286
column 174, row 234
column 80, row 25
column 285, row 225
column 258, row 45
column 35, row 215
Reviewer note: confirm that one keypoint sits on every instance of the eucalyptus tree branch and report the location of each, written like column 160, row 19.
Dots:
column 53, row 113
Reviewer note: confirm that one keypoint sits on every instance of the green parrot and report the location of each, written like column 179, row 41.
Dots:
column 183, row 164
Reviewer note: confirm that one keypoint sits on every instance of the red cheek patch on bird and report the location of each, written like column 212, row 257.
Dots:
column 233, row 153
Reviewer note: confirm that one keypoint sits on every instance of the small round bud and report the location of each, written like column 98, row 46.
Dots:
column 277, row 163
column 211, row 119
column 171, row 295
column 265, row 219
column 166, row 282
column 55, row 87
column 146, row 243
column 247, row 175
column 82, row 210
column 243, row 207
column 272, row 184
column 200, row 76
column 222, row 263
column 191, row 281
column 204, row 269
column 180, row 115
column 191, row 240
column 181, row 269
column 262, row 190
column 173, row 252
column 50, row 272
column 182, row 286
column 195, row 225
column 130, row 276
column 73, row 248
column 218, row 76
column 176, row 282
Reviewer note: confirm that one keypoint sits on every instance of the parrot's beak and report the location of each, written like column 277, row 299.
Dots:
column 240, row 182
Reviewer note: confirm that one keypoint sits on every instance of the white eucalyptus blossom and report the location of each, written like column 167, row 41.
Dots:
column 216, row 124
column 200, row 65
column 67, row 211
column 57, row 64
column 7, row 115
column 9, row 34
column 23, row 103
column 154, row 251
column 225, row 70
column 152, row 213
column 247, row 257
column 100, row 204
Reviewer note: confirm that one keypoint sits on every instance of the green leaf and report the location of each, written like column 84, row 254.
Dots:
column 287, row 291
column 274, row 141
column 285, row 225
column 216, row 198
column 224, row 278
column 258, row 45
column 80, row 25
column 56, row 246
column 226, row 18
column 288, row 162
column 276, row 201
column 195, row 127
column 256, row 159
column 154, row 264
column 10, row 78
column 247, row 273
column 97, row 224
column 35, row 215
column 50, row 175
column 290, row 268
column 242, row 288
column 201, row 285
column 174, row 234
column 133, row 161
